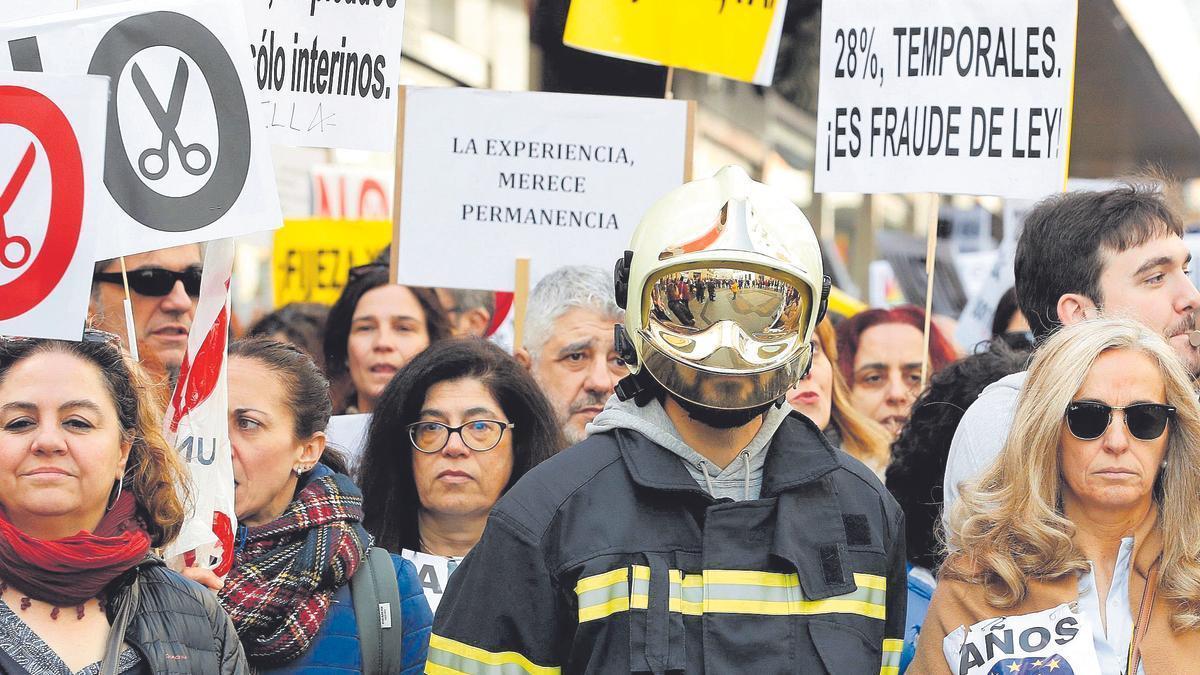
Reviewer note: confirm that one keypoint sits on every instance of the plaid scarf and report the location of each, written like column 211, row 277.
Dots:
column 286, row 573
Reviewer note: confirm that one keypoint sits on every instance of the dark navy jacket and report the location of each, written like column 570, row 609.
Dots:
column 609, row 558
column 336, row 649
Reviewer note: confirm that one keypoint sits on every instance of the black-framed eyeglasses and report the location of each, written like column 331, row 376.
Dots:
column 1088, row 420
column 478, row 435
column 157, row 281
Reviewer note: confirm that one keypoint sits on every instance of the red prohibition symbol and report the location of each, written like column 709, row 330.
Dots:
column 31, row 110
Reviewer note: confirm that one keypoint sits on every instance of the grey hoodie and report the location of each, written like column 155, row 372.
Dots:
column 741, row 480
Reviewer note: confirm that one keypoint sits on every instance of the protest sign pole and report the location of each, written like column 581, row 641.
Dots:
column 520, row 302
column 668, row 94
column 130, row 331
column 398, row 183
column 930, row 260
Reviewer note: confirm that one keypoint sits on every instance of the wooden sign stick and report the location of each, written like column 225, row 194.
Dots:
column 520, row 302
column 930, row 260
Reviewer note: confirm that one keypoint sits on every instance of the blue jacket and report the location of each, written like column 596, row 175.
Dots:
column 336, row 649
column 920, row 592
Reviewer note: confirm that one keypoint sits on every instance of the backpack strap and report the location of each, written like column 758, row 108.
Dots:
column 376, row 597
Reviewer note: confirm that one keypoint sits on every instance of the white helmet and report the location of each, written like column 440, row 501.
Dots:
column 722, row 289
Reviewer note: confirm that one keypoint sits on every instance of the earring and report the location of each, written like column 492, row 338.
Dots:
column 112, row 501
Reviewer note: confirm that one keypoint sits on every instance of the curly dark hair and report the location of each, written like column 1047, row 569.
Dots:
column 919, row 453
column 390, row 500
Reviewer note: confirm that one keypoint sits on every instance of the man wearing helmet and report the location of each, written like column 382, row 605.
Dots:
column 702, row 527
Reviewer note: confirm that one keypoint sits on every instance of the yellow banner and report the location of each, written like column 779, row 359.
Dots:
column 734, row 38
column 313, row 257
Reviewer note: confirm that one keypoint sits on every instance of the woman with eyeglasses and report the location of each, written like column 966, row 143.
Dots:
column 301, row 545
column 1084, row 534
column 88, row 488
column 373, row 329
column 458, row 426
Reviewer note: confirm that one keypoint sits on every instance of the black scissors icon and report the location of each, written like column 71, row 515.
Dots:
column 6, row 199
column 168, row 123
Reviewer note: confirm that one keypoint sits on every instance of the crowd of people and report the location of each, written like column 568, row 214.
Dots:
column 686, row 466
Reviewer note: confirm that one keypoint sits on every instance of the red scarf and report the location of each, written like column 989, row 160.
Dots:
column 70, row 571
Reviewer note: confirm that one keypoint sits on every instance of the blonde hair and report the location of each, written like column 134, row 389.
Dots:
column 862, row 437
column 1008, row 527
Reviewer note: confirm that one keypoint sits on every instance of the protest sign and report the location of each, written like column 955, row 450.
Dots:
column 327, row 71
column 947, row 96
column 196, row 423
column 975, row 322
column 11, row 11
column 348, row 433
column 351, row 193
column 313, row 257
column 183, row 161
column 51, row 167
column 739, row 40
column 433, row 571
column 488, row 177
column 1057, row 641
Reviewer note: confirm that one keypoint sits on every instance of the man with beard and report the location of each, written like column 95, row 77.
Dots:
column 569, row 344
column 1117, row 252
column 702, row 526
column 164, row 286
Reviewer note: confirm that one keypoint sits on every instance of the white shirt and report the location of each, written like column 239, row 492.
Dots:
column 1112, row 645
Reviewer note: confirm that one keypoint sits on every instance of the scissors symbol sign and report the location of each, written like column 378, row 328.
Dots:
column 168, row 123
column 6, row 199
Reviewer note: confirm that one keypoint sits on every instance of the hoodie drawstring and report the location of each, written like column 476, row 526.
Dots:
column 703, row 465
column 745, row 455
column 746, row 465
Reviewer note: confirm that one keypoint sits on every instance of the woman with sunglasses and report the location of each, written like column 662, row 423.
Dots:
column 473, row 421
column 301, row 543
column 1087, row 517
column 88, row 487
column 373, row 329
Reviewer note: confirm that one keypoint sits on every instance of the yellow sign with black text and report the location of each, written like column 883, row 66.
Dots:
column 312, row 257
column 738, row 39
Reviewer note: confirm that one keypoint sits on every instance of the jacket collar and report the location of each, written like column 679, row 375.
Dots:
column 797, row 454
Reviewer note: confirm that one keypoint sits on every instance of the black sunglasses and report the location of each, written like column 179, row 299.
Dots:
column 1087, row 420
column 156, row 281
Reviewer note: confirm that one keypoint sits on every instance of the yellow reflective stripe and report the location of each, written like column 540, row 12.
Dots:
column 726, row 592
column 891, row 656
column 603, row 594
column 452, row 656
column 870, row 581
column 601, row 580
column 749, row 578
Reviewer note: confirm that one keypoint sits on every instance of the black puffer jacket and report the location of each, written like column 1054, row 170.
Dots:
column 177, row 625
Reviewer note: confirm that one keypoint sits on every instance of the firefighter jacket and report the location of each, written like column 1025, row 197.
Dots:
column 609, row 558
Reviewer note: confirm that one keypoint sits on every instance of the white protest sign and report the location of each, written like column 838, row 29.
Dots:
column 186, row 158
column 11, row 10
column 327, row 71
column 433, row 571
column 1057, row 641
column 196, row 423
column 975, row 322
column 950, row 96
column 348, row 433
column 487, row 177
column 51, row 168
